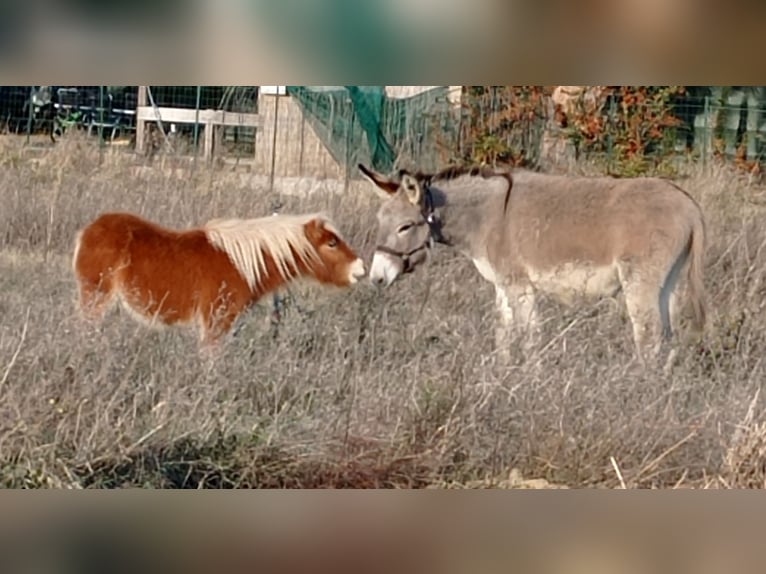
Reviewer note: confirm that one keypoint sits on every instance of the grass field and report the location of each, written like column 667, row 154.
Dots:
column 395, row 388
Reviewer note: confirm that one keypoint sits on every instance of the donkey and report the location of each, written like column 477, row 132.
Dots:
column 531, row 233
column 208, row 275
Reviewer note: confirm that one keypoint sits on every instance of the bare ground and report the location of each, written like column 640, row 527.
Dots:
column 369, row 389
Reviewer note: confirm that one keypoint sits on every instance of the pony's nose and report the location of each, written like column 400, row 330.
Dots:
column 357, row 270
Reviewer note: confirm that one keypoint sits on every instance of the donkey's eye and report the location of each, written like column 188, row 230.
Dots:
column 333, row 242
column 404, row 228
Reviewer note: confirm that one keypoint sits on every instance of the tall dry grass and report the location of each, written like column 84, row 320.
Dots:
column 392, row 388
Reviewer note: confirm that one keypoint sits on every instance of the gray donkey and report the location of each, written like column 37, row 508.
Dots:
column 565, row 236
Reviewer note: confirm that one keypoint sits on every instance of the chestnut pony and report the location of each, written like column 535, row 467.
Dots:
column 207, row 275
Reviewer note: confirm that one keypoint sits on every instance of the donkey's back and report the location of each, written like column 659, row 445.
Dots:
column 554, row 220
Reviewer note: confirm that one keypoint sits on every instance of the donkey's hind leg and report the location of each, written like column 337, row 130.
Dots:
column 643, row 299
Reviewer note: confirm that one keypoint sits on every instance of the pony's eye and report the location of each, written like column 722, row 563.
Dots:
column 332, row 243
column 404, row 228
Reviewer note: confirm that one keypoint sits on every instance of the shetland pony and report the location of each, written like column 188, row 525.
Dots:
column 207, row 275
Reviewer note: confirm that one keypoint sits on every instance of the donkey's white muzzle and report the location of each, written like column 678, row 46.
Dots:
column 385, row 269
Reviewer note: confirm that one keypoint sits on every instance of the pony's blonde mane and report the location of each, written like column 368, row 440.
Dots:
column 281, row 236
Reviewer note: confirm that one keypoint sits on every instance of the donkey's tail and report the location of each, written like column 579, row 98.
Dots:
column 697, row 295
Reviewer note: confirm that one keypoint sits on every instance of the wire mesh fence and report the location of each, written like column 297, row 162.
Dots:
column 111, row 112
column 325, row 131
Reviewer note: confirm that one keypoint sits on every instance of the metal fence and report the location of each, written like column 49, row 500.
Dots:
column 325, row 132
column 110, row 111
column 624, row 128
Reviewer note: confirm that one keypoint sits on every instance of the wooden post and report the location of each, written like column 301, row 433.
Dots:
column 100, row 124
column 303, row 143
column 30, row 111
column 211, row 122
column 140, row 123
column 207, row 153
column 274, row 143
column 196, row 124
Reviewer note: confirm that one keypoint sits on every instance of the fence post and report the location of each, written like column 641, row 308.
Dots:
column 424, row 147
column 460, row 135
column 708, row 136
column 609, row 136
column 302, row 144
column 274, row 141
column 30, row 113
column 140, row 123
column 196, row 126
column 331, row 123
column 347, row 154
column 100, row 124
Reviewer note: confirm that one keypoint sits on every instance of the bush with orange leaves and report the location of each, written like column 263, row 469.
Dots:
column 503, row 124
column 631, row 126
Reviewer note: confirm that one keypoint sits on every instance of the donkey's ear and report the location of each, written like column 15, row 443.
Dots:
column 412, row 188
column 383, row 186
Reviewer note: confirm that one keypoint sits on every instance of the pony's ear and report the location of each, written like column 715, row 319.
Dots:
column 320, row 230
column 412, row 188
column 315, row 231
column 383, row 186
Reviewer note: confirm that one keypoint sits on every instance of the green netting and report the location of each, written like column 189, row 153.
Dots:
column 361, row 124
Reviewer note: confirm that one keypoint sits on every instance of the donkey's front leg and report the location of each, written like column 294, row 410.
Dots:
column 504, row 327
column 518, row 319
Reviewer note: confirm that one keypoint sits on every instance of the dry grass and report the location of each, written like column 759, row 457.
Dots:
column 397, row 388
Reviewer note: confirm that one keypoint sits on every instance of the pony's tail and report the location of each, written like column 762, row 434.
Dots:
column 77, row 244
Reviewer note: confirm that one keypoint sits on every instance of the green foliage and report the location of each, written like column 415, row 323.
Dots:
column 489, row 148
column 503, row 124
column 632, row 126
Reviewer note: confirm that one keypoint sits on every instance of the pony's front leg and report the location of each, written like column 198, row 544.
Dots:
column 216, row 324
column 95, row 298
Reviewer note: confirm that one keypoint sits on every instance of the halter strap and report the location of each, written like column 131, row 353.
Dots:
column 431, row 218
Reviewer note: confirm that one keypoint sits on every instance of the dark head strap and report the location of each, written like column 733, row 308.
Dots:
column 431, row 217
